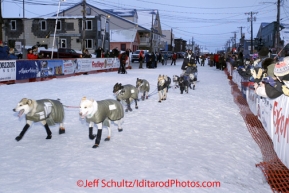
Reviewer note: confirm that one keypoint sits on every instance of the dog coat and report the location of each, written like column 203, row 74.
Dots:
column 128, row 91
column 145, row 86
column 109, row 108
column 50, row 110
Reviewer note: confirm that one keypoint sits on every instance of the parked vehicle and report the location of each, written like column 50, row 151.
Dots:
column 61, row 53
column 181, row 54
column 134, row 56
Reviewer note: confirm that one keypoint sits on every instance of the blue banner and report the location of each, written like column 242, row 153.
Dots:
column 26, row 69
column 51, row 68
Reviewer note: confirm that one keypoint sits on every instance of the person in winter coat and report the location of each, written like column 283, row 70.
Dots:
column 189, row 59
column 122, row 59
column 141, row 58
column 165, row 56
column 174, row 58
column 12, row 55
column 4, row 51
column 30, row 55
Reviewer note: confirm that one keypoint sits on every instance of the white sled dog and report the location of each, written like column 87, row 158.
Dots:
column 46, row 111
column 144, row 87
column 163, row 85
column 101, row 113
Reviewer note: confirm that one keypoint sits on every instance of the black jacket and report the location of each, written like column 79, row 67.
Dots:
column 188, row 60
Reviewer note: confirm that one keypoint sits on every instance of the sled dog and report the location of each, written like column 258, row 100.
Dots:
column 46, row 111
column 144, row 87
column 176, row 81
column 101, row 113
column 127, row 93
column 184, row 84
column 163, row 85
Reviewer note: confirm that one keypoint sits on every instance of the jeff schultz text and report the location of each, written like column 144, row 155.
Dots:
column 146, row 184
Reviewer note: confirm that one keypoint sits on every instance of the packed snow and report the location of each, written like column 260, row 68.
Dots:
column 171, row 146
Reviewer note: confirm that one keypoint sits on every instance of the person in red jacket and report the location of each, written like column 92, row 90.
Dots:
column 30, row 55
column 122, row 60
column 174, row 58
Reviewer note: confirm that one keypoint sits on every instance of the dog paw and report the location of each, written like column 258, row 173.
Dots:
column 120, row 130
column 95, row 146
column 18, row 138
column 160, row 101
column 126, row 110
column 107, row 139
column 130, row 109
column 92, row 137
column 49, row 137
column 61, row 131
column 147, row 97
column 136, row 107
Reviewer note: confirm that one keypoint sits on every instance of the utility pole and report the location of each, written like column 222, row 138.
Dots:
column 278, row 26
column 83, row 24
column 234, row 38
column 241, row 31
column 171, row 39
column 151, row 46
column 251, row 19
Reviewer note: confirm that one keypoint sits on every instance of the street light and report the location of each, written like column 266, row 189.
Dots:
column 55, row 27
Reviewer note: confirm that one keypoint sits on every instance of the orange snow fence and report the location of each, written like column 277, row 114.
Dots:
column 275, row 172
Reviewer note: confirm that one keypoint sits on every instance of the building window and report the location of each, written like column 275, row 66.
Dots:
column 58, row 28
column 89, row 43
column 43, row 25
column 88, row 25
column 63, row 43
column 13, row 25
column 123, row 47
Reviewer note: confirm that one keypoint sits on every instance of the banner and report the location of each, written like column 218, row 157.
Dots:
column 26, row 69
column 70, row 66
column 51, row 68
column 7, row 70
column 264, row 112
column 112, row 63
column 98, row 64
column 252, row 100
column 280, row 127
column 83, row 65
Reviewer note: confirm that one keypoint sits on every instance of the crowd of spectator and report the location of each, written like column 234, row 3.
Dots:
column 270, row 75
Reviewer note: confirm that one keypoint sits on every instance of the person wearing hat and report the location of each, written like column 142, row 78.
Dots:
column 281, row 71
column 189, row 59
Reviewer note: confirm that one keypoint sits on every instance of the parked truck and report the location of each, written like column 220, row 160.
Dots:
column 61, row 53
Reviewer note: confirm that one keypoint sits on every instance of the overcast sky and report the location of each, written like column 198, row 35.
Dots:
column 211, row 23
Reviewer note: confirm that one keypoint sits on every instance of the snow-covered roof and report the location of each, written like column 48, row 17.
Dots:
column 123, row 35
column 145, row 17
column 122, row 12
